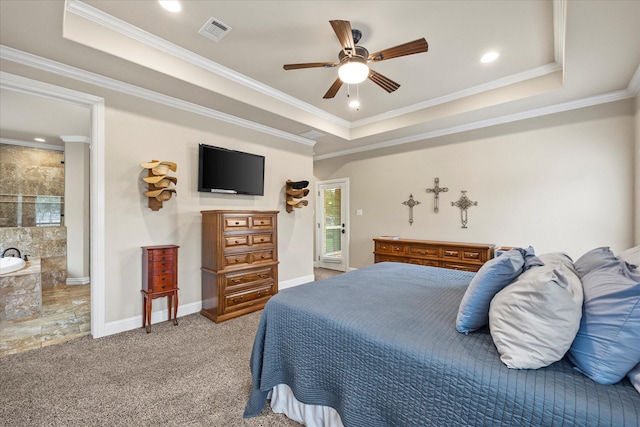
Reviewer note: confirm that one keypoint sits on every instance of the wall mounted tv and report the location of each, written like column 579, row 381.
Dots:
column 227, row 171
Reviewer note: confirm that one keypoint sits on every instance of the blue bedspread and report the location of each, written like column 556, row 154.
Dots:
column 380, row 346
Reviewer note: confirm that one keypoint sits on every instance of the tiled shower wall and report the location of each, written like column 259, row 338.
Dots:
column 30, row 172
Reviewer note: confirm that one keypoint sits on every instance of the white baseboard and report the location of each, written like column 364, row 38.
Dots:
column 135, row 322
column 156, row 317
column 295, row 282
column 78, row 280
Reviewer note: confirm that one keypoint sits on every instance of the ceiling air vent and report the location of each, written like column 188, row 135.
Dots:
column 214, row 29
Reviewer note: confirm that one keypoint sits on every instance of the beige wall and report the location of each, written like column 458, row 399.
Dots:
column 560, row 183
column 133, row 136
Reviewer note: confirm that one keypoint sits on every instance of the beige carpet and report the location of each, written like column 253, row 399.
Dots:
column 193, row 374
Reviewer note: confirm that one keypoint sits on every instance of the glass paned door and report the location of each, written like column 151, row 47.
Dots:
column 332, row 225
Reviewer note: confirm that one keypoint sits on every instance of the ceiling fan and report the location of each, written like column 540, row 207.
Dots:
column 353, row 59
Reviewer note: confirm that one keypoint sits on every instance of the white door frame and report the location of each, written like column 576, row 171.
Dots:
column 344, row 265
column 97, row 184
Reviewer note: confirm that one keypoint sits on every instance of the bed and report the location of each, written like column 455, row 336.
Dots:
column 378, row 347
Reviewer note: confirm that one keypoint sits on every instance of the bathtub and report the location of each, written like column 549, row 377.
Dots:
column 11, row 264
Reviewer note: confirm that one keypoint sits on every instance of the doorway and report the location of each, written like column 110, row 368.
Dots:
column 97, row 182
column 332, row 239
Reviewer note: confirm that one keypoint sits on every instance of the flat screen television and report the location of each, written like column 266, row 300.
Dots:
column 228, row 171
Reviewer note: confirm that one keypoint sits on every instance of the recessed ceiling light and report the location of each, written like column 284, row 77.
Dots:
column 39, row 139
column 171, row 5
column 489, row 57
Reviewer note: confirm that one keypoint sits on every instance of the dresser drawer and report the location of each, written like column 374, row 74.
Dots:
column 458, row 266
column 389, row 258
column 247, row 297
column 390, row 248
column 262, row 256
column 427, row 262
column 472, row 255
column 259, row 221
column 235, row 280
column 423, row 251
column 236, row 223
column 451, row 253
column 236, row 259
column 262, row 239
column 162, row 282
column 162, row 255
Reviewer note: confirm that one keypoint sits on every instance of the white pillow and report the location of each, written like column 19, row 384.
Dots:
column 631, row 255
column 534, row 320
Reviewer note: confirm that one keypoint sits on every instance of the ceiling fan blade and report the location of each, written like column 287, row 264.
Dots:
column 382, row 81
column 309, row 65
column 335, row 87
column 416, row 46
column 345, row 36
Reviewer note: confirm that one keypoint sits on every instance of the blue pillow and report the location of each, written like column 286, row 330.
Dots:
column 593, row 259
column 494, row 275
column 607, row 346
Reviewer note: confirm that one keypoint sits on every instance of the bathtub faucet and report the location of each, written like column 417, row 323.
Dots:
column 11, row 249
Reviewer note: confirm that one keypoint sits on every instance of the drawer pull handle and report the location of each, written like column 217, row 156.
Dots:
column 164, row 286
column 451, row 253
column 164, row 278
column 397, row 249
column 262, row 240
column 236, row 280
column 261, row 293
column 263, row 276
column 164, row 263
column 237, row 223
column 423, row 252
column 237, row 299
column 237, row 259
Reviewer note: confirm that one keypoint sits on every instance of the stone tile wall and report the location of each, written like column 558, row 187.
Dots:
column 21, row 293
column 26, row 173
column 49, row 244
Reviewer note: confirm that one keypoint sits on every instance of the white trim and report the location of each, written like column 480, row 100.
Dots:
column 537, row 112
column 40, row 145
column 24, row 58
column 634, row 84
column 346, row 218
column 158, row 316
column 96, row 104
column 296, row 282
column 75, row 138
column 131, row 31
column 78, row 280
column 559, row 30
column 454, row 96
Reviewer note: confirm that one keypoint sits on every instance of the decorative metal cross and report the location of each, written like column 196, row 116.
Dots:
column 464, row 203
column 436, row 190
column 411, row 203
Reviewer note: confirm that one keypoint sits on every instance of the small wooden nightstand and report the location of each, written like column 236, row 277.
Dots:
column 159, row 279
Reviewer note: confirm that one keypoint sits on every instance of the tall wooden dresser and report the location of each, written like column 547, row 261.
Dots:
column 239, row 262
column 451, row 255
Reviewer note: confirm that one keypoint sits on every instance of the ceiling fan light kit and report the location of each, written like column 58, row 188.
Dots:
column 353, row 72
column 353, row 61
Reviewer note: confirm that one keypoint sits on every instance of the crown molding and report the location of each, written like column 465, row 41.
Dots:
column 31, row 144
column 37, row 62
column 454, row 96
column 75, row 138
column 101, row 18
column 529, row 114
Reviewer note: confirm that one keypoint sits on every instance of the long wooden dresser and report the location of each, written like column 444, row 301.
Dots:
column 452, row 255
column 239, row 262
